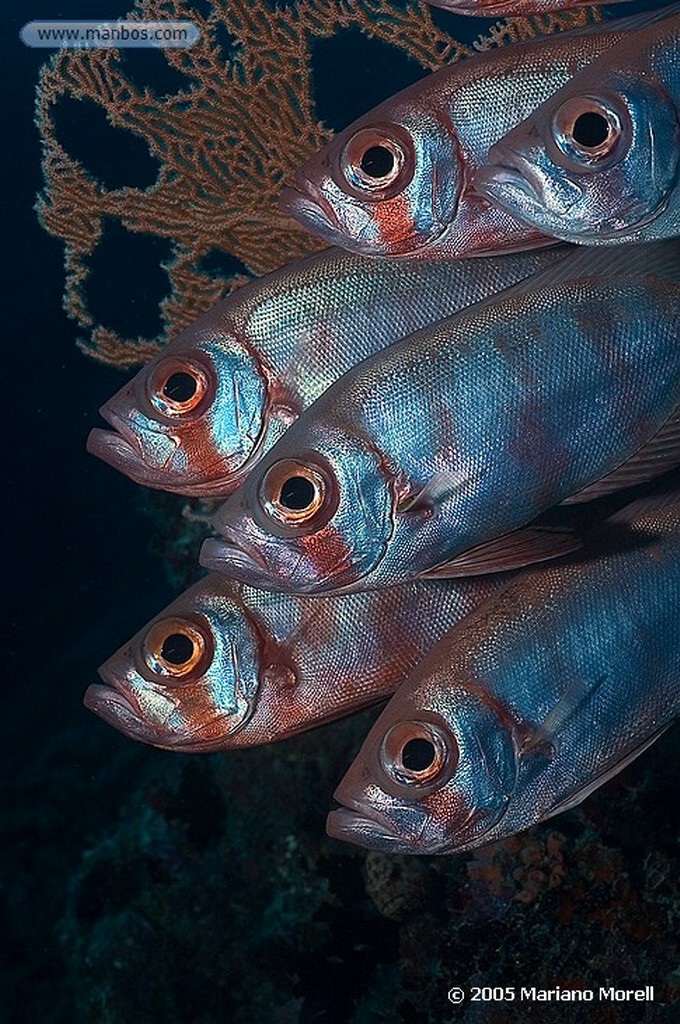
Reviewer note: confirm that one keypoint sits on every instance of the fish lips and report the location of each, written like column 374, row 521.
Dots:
column 229, row 556
column 512, row 184
column 309, row 209
column 121, row 448
column 118, row 709
column 399, row 828
column 370, row 831
column 307, row 203
column 118, row 447
column 116, row 705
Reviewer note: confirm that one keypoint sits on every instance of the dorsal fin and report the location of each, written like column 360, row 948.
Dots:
column 631, row 23
column 653, row 259
column 664, row 497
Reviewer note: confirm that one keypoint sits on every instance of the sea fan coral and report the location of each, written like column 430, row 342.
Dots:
column 245, row 115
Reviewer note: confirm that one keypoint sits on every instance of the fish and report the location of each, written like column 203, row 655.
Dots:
column 509, row 8
column 543, row 694
column 226, row 666
column 598, row 162
column 398, row 181
column 433, row 457
column 201, row 414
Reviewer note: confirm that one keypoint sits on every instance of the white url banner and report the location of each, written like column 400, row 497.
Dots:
column 88, row 35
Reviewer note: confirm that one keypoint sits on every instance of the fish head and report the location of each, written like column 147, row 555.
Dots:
column 598, row 162
column 435, row 774
column 190, row 678
column 388, row 185
column 314, row 516
column 192, row 420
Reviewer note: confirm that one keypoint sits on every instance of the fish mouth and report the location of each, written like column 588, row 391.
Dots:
column 355, row 823
column 361, row 830
column 121, row 448
column 118, row 447
column 306, row 202
column 113, row 702
column 229, row 555
column 511, row 181
column 117, row 708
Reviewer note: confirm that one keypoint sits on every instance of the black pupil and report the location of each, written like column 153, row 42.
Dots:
column 177, row 649
column 180, row 387
column 590, row 130
column 377, row 162
column 418, row 755
column 297, row 493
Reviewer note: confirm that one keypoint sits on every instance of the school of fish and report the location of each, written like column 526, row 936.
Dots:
column 439, row 444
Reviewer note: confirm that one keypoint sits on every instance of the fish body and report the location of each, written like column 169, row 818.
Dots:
column 543, row 694
column 226, row 666
column 201, row 414
column 508, row 8
column 466, row 431
column 599, row 162
column 397, row 182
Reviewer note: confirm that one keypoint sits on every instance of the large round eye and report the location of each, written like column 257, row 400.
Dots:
column 378, row 162
column 587, row 130
column 177, row 649
column 298, row 493
column 178, row 387
column 418, row 755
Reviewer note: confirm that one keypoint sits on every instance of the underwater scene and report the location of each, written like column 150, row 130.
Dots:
column 343, row 539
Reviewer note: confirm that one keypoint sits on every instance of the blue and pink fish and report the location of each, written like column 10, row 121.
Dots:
column 598, row 163
column 548, row 690
column 198, row 417
column 399, row 180
column 430, row 458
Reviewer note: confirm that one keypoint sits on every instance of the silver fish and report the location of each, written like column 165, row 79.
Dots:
column 542, row 695
column 227, row 666
column 198, row 417
column 598, row 163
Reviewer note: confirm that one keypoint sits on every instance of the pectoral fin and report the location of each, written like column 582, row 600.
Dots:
column 440, row 487
column 511, row 551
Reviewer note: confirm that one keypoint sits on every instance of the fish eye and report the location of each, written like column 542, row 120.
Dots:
column 177, row 649
column 178, row 387
column 378, row 162
column 587, row 130
column 418, row 755
column 298, row 493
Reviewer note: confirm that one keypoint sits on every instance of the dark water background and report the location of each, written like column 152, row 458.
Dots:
column 80, row 578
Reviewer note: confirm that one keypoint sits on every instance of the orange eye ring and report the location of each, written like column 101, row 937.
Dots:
column 587, row 130
column 177, row 649
column 298, row 493
column 378, row 162
column 418, row 755
column 178, row 387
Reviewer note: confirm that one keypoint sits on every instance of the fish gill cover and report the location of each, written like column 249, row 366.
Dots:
column 242, row 109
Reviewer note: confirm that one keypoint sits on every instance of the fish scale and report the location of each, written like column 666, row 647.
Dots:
column 621, row 185
column 268, row 350
column 550, row 688
column 438, row 132
column 465, row 432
